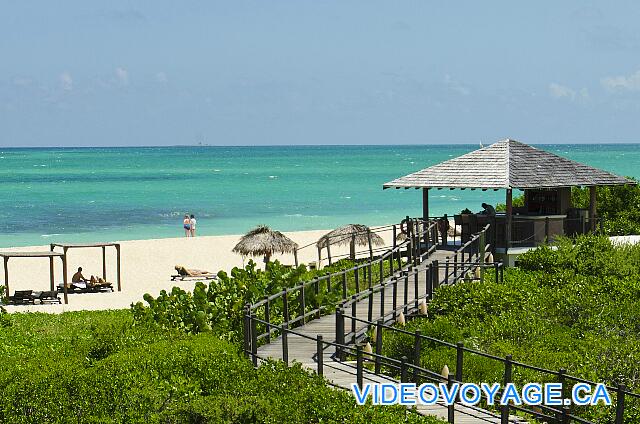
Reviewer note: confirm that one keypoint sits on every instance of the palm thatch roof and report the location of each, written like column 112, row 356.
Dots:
column 508, row 164
column 351, row 232
column 263, row 241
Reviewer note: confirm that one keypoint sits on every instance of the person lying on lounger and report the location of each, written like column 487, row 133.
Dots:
column 191, row 272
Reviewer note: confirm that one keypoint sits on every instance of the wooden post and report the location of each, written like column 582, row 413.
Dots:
column 329, row 250
column 104, row 263
column 295, row 257
column 352, row 248
column 592, row 208
column 51, row 276
column 6, row 275
column 509, row 214
column 319, row 257
column 425, row 212
column 483, row 246
column 118, row 267
column 395, row 234
column 319, row 354
column 370, row 245
column 64, row 276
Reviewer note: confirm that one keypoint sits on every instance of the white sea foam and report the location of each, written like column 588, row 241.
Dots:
column 50, row 235
column 273, row 176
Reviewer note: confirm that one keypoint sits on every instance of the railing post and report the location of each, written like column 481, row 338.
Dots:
column 504, row 413
column 254, row 340
column 381, row 270
column 285, row 306
column 285, row 344
column 339, row 333
column 354, row 314
column 357, row 277
column 429, row 281
column 446, row 269
column 435, row 275
column 403, row 369
column 455, row 267
column 302, row 305
column 459, row 361
column 483, row 248
column 406, row 292
column 384, row 288
column 451, row 409
column 320, row 354
column 359, row 366
column 620, row 404
column 267, row 318
column 378, row 345
column 370, row 274
column 416, row 288
column 395, row 234
column 344, row 285
column 247, row 332
column 370, row 306
column 417, row 342
column 495, row 265
column 391, row 263
column 394, row 300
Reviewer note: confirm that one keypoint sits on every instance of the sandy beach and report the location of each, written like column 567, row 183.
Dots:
column 147, row 266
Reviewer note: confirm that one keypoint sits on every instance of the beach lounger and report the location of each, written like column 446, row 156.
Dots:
column 87, row 287
column 47, row 297
column 22, row 297
column 188, row 274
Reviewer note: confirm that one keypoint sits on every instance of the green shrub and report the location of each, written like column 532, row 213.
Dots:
column 143, row 374
column 573, row 306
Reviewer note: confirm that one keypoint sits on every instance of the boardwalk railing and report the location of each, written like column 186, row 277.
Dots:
column 351, row 331
column 293, row 306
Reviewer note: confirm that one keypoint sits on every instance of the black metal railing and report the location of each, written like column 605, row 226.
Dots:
column 468, row 262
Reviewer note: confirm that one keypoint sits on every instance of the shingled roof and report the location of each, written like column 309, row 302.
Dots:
column 508, row 164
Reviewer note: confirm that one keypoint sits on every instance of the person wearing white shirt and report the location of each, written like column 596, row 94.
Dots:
column 192, row 222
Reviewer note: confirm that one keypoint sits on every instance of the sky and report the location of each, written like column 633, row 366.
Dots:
column 122, row 73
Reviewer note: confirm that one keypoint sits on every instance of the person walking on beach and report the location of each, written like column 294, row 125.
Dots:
column 192, row 223
column 186, row 223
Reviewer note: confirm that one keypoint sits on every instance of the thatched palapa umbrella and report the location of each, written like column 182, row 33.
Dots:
column 352, row 234
column 263, row 241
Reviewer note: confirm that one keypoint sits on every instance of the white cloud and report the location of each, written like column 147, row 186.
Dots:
column 122, row 75
column 621, row 82
column 66, row 81
column 161, row 77
column 558, row 91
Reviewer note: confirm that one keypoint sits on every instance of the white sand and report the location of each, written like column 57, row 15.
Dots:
column 147, row 266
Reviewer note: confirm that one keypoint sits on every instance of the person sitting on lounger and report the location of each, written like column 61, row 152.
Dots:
column 78, row 277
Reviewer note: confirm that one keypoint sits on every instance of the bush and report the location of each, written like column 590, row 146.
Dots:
column 568, row 306
column 144, row 374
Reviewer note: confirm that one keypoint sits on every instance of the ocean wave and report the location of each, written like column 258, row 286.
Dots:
column 50, row 235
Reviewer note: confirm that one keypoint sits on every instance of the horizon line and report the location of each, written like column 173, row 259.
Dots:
column 310, row 145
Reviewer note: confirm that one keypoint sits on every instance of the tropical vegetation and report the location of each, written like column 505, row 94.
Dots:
column 574, row 305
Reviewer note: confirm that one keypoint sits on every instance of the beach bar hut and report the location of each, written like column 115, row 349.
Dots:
column 51, row 255
column 545, row 178
column 66, row 246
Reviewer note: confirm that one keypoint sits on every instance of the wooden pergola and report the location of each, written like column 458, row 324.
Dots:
column 51, row 255
column 66, row 246
column 510, row 165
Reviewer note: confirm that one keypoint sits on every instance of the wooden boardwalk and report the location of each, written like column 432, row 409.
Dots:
column 302, row 348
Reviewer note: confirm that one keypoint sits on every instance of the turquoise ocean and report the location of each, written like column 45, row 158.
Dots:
column 105, row 194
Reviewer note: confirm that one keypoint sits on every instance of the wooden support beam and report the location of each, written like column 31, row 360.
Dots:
column 509, row 215
column 425, row 204
column 592, row 207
